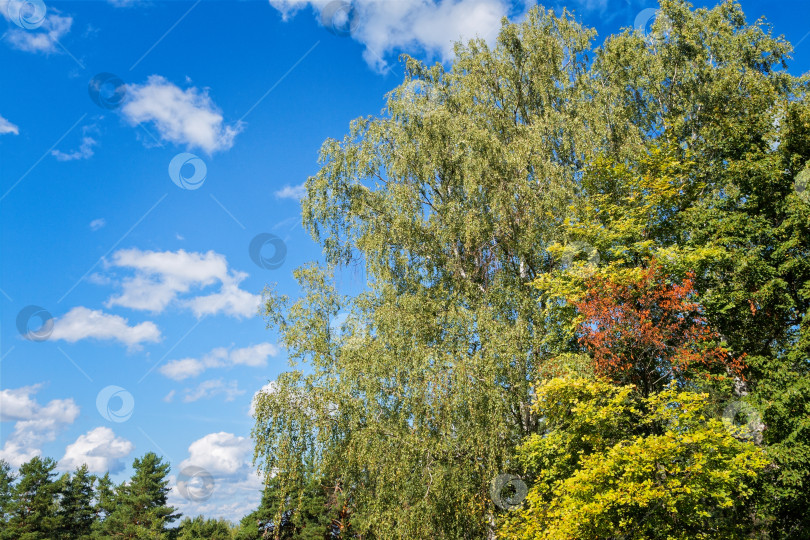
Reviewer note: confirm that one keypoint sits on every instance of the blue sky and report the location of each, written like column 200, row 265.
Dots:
column 154, row 342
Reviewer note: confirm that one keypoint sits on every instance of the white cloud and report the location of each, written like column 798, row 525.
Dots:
column 161, row 276
column 237, row 486
column 220, row 453
column 97, row 224
column 424, row 25
column 168, row 398
column 214, row 387
column 230, row 300
column 291, row 192
column 43, row 39
column 187, row 117
column 100, row 449
column 124, row 3
column 82, row 323
column 34, row 424
column 253, row 356
column 7, row 127
column 85, row 151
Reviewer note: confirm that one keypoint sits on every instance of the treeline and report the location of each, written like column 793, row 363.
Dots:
column 587, row 305
column 36, row 503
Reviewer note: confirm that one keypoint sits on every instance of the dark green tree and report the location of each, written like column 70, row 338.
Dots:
column 6, row 493
column 76, row 513
column 202, row 528
column 140, row 506
column 320, row 513
column 104, row 501
column 34, row 506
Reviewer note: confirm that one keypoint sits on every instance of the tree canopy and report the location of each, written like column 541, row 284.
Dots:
column 504, row 209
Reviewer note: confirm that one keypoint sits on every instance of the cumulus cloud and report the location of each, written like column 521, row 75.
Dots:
column 230, row 300
column 82, row 323
column 292, row 192
column 212, row 388
column 187, row 117
column 253, row 356
column 221, row 454
column 424, row 25
column 237, row 485
column 34, row 424
column 42, row 39
column 161, row 276
column 7, row 127
column 100, row 449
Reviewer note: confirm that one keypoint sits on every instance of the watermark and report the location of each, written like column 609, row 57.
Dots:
column 107, row 91
column 195, row 483
column 115, row 403
column 645, row 19
column 340, row 18
column 28, row 14
column 267, row 251
column 579, row 251
column 34, row 323
column 743, row 421
column 802, row 185
column 507, row 491
column 194, row 178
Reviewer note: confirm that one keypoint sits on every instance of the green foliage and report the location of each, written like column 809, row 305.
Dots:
column 610, row 464
column 202, row 528
column 6, row 493
column 542, row 161
column 33, row 508
column 76, row 514
column 139, row 507
column 318, row 514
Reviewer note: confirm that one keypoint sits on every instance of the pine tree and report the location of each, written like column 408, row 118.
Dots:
column 6, row 496
column 33, row 510
column 140, row 509
column 76, row 513
column 200, row 527
column 104, row 504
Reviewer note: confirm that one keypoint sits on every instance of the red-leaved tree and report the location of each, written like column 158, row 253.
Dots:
column 649, row 331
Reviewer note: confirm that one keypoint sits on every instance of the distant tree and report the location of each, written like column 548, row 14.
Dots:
column 76, row 513
column 202, row 528
column 6, row 493
column 140, row 506
column 33, row 509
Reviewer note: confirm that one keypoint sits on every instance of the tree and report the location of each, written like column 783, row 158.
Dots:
column 648, row 331
column 33, row 510
column 469, row 187
column 104, row 503
column 611, row 464
column 202, row 528
column 6, row 493
column 320, row 513
column 140, row 509
column 76, row 513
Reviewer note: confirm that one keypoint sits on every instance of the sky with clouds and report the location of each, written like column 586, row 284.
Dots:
column 152, row 155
